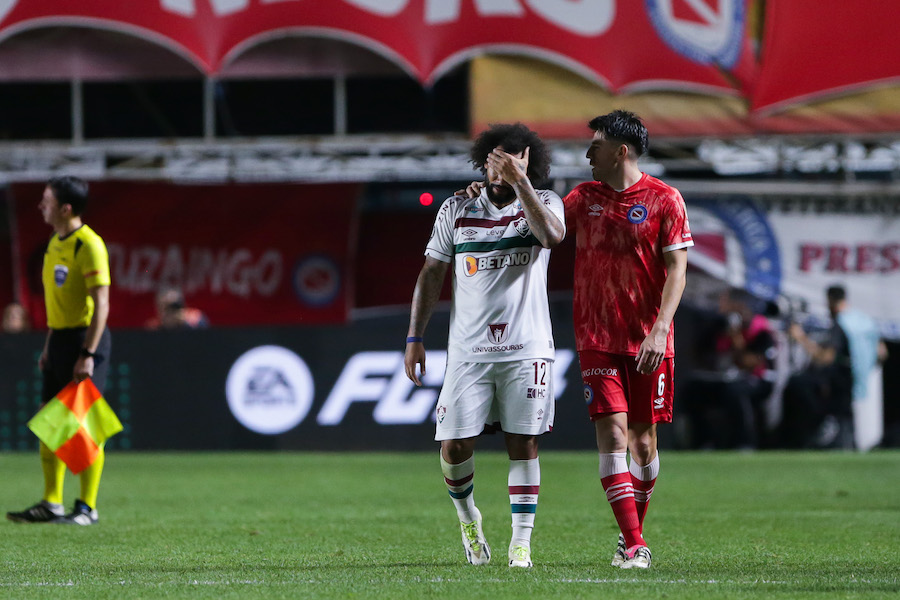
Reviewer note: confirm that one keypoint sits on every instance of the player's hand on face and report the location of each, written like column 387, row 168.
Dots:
column 472, row 191
column 510, row 167
column 415, row 355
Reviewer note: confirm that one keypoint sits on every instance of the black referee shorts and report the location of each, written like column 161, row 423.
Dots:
column 62, row 353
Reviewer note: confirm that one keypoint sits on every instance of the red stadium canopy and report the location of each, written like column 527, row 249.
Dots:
column 661, row 44
column 811, row 48
column 63, row 53
column 814, row 48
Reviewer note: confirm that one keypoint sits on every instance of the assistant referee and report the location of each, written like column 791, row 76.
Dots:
column 76, row 293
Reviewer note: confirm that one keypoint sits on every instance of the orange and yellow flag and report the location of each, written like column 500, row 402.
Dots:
column 75, row 424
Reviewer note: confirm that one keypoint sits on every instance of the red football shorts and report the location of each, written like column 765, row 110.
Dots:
column 612, row 384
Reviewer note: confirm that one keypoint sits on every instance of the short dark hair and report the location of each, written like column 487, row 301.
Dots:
column 70, row 190
column 836, row 293
column 513, row 138
column 623, row 126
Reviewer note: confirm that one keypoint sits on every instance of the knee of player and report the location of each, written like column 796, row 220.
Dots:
column 522, row 447
column 643, row 447
column 612, row 432
column 457, row 451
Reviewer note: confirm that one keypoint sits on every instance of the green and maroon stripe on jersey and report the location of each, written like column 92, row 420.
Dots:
column 487, row 223
column 502, row 244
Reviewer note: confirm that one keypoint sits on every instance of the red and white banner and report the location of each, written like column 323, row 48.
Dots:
column 243, row 254
column 662, row 44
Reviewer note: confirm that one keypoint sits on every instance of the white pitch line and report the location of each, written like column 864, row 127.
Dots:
column 415, row 580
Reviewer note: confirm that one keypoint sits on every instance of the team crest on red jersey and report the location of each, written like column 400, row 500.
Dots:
column 637, row 214
column 498, row 332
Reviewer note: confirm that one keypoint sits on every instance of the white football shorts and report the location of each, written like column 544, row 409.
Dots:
column 518, row 395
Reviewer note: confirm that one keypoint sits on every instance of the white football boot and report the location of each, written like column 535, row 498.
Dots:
column 477, row 550
column 520, row 556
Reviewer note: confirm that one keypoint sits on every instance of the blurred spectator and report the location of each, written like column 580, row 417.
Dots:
column 750, row 339
column 172, row 313
column 728, row 394
column 15, row 318
column 818, row 410
column 866, row 346
column 867, row 350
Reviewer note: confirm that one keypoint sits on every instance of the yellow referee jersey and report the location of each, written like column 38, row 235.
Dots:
column 73, row 265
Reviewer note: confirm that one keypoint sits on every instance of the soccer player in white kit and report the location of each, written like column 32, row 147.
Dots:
column 500, row 350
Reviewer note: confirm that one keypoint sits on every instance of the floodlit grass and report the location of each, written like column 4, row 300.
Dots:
column 308, row 525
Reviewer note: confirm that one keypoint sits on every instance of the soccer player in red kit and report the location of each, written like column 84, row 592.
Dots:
column 632, row 236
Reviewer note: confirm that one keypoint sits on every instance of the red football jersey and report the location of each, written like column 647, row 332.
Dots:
column 619, row 267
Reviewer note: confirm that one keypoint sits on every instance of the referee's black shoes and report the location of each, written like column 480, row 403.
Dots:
column 42, row 512
column 82, row 514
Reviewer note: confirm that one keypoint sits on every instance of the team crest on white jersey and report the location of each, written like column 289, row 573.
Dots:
column 498, row 332
column 522, row 227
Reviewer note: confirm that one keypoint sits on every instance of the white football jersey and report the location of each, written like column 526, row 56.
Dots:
column 500, row 308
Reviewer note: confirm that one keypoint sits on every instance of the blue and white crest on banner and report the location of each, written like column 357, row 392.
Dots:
column 760, row 258
column 704, row 31
column 317, row 280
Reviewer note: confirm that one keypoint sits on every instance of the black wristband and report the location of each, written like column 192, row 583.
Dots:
column 86, row 353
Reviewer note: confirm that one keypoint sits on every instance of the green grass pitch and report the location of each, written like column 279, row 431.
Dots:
column 381, row 525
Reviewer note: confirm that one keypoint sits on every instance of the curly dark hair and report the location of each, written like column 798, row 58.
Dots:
column 513, row 138
column 623, row 126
